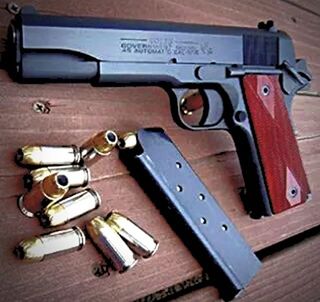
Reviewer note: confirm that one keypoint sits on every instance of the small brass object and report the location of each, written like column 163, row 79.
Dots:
column 38, row 248
column 98, row 146
column 50, row 189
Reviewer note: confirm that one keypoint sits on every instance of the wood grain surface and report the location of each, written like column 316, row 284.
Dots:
column 77, row 111
column 285, row 277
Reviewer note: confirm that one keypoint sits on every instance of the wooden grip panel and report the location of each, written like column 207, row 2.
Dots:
column 284, row 174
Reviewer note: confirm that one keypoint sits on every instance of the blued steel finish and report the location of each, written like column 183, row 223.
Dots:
column 177, row 57
column 70, row 208
column 142, row 243
column 191, row 210
column 38, row 248
column 111, row 244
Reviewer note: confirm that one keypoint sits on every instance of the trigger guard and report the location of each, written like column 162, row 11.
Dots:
column 177, row 94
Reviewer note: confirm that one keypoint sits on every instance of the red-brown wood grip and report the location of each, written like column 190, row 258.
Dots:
column 284, row 174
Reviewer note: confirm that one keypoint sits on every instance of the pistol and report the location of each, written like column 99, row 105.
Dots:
column 246, row 78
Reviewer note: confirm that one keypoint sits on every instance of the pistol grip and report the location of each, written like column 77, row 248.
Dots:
column 278, row 152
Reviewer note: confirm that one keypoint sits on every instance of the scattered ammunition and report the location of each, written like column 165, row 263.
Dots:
column 111, row 244
column 138, row 240
column 48, row 155
column 39, row 247
column 99, row 145
column 52, row 188
column 69, row 208
column 127, row 140
column 77, row 176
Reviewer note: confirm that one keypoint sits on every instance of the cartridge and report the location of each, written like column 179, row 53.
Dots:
column 142, row 243
column 50, row 189
column 77, row 176
column 38, row 248
column 99, row 145
column 111, row 244
column 48, row 155
column 70, row 208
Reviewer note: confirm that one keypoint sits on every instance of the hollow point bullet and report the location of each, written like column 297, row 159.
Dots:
column 111, row 244
column 37, row 248
column 127, row 140
column 48, row 155
column 50, row 189
column 98, row 146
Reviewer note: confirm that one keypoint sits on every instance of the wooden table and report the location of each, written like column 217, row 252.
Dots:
column 77, row 111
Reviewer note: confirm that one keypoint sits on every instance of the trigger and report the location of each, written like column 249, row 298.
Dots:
column 191, row 102
column 212, row 108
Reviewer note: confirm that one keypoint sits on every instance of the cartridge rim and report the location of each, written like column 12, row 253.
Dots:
column 88, row 176
column 95, row 195
column 82, row 237
column 23, row 210
column 77, row 154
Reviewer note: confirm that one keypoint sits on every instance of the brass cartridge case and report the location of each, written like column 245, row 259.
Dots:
column 77, row 176
column 142, row 243
column 98, row 146
column 38, row 248
column 111, row 244
column 70, row 208
column 50, row 189
column 48, row 155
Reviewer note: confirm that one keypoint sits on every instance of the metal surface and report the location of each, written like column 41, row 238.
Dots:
column 142, row 243
column 70, row 208
column 111, row 244
column 48, row 155
column 191, row 210
column 127, row 140
column 177, row 57
column 50, row 189
column 99, row 145
column 38, row 248
column 77, row 176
